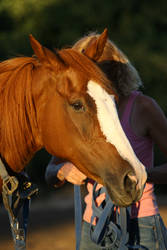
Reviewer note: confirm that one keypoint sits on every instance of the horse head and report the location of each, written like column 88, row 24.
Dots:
column 78, row 119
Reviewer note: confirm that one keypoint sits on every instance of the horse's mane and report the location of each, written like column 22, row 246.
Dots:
column 17, row 109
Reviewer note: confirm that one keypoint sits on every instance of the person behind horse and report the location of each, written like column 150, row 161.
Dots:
column 144, row 124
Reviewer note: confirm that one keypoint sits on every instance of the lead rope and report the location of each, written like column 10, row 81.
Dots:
column 78, row 215
column 9, row 186
column 18, row 232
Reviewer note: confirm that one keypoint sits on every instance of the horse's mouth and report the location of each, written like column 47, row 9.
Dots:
column 124, row 199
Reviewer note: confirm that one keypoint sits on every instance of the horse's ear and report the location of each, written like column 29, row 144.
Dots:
column 37, row 48
column 95, row 49
column 45, row 55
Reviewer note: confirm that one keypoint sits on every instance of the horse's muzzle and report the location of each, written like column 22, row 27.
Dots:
column 125, row 193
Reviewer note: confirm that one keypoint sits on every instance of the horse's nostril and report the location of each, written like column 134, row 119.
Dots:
column 132, row 178
column 130, row 184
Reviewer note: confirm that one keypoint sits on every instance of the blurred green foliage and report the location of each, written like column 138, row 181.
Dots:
column 139, row 28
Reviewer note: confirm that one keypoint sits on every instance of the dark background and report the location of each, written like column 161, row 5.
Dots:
column 139, row 28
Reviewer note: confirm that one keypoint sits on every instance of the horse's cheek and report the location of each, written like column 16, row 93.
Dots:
column 55, row 132
column 83, row 124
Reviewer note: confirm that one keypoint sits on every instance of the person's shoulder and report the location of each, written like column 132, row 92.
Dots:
column 146, row 103
column 149, row 113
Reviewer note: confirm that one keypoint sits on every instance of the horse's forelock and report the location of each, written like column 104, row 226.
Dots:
column 81, row 63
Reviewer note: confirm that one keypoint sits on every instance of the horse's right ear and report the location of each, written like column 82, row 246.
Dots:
column 95, row 50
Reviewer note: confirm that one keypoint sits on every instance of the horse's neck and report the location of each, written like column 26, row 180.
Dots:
column 19, row 134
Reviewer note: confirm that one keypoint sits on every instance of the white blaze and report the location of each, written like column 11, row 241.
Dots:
column 112, row 129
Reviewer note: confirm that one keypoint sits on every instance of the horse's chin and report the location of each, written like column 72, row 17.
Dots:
column 124, row 200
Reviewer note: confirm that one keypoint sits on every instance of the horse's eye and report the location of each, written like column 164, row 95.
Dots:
column 78, row 106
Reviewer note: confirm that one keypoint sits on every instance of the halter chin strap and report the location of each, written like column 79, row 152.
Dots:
column 16, row 197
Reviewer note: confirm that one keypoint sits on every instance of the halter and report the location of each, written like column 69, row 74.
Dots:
column 111, row 227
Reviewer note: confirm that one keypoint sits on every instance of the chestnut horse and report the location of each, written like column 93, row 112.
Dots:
column 63, row 102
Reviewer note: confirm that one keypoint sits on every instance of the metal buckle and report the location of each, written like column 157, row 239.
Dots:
column 10, row 184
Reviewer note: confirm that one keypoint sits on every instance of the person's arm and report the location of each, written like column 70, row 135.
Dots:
column 59, row 171
column 157, row 175
column 51, row 173
column 157, row 130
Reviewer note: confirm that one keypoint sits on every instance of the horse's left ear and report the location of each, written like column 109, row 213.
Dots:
column 45, row 55
column 95, row 49
column 37, row 48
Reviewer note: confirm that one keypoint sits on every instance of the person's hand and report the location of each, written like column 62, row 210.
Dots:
column 70, row 173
